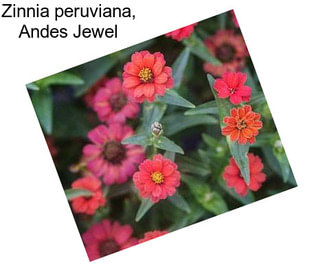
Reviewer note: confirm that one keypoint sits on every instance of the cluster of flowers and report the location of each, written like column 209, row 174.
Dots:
column 243, row 126
column 115, row 101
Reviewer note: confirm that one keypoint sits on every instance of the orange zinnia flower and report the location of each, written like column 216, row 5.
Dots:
column 242, row 125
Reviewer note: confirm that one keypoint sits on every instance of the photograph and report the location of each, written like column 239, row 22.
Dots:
column 161, row 135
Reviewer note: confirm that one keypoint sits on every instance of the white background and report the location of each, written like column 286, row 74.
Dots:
column 283, row 232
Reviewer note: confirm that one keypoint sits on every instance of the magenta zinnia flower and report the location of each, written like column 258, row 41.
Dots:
column 181, row 33
column 113, row 103
column 106, row 157
column 107, row 237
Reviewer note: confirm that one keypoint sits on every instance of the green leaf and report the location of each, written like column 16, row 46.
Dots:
column 192, row 166
column 74, row 193
column 170, row 155
column 144, row 207
column 249, row 198
column 171, row 97
column 177, row 122
column 92, row 71
column 152, row 112
column 166, row 144
column 238, row 151
column 179, row 66
column 210, row 140
column 283, row 162
column 142, row 139
column 180, row 202
column 206, row 108
column 250, row 81
column 209, row 199
column 257, row 99
column 240, row 155
column 43, row 105
column 198, row 48
column 61, row 78
column 70, row 121
column 32, row 86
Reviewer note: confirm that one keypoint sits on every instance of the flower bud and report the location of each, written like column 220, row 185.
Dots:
column 156, row 128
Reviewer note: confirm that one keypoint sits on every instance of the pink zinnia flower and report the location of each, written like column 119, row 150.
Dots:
column 233, row 178
column 229, row 48
column 88, row 205
column 232, row 85
column 146, row 75
column 151, row 235
column 106, row 157
column 181, row 33
column 107, row 237
column 113, row 104
column 234, row 18
column 157, row 178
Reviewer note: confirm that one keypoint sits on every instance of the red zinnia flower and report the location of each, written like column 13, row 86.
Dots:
column 90, row 93
column 242, row 125
column 114, row 104
column 232, row 85
column 181, row 33
column 234, row 18
column 151, row 235
column 229, row 48
column 146, row 75
column 88, row 205
column 157, row 178
column 108, row 158
column 233, row 178
column 107, row 237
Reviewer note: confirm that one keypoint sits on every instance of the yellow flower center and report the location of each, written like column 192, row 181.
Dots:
column 157, row 177
column 146, row 75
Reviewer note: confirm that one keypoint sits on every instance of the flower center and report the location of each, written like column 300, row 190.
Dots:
column 118, row 101
column 157, row 177
column 232, row 90
column 241, row 125
column 146, row 75
column 107, row 247
column 114, row 152
column 225, row 52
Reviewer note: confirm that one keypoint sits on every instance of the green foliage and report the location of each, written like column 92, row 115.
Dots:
column 144, row 207
column 178, row 201
column 239, row 152
column 208, row 198
column 198, row 48
column 179, row 66
column 206, row 108
column 172, row 97
column 43, row 104
column 166, row 144
column 75, row 193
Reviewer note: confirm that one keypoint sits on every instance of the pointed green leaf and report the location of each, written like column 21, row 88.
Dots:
column 62, row 78
column 281, row 157
column 32, row 86
column 170, row 155
column 74, row 193
column 177, row 122
column 179, row 66
column 192, row 166
column 142, row 139
column 43, row 104
column 210, row 140
column 166, row 144
column 238, row 151
column 209, row 199
column 180, row 202
column 249, row 198
column 206, row 108
column 144, row 207
column 152, row 112
column 198, row 48
column 171, row 97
